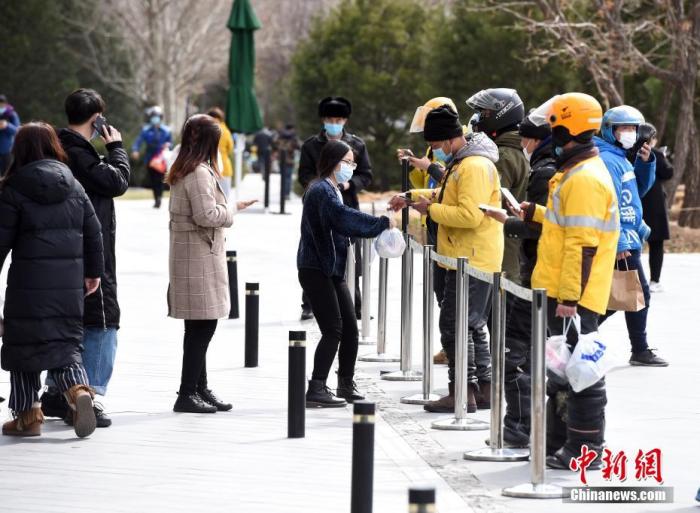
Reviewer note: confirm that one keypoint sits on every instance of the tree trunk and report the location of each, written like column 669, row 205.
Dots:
column 690, row 213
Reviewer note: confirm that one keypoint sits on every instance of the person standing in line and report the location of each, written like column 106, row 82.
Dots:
column 326, row 225
column 49, row 224
column 655, row 214
column 157, row 137
column 198, row 292
column 9, row 124
column 225, row 150
column 103, row 178
column 287, row 145
column 334, row 112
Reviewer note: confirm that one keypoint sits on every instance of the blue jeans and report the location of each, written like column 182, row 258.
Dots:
column 99, row 352
column 636, row 321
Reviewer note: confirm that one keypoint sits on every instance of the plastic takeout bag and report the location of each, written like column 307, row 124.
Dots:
column 589, row 362
column 557, row 352
column 390, row 244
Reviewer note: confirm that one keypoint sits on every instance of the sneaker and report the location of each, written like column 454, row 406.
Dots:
column 655, row 286
column 560, row 461
column 440, row 358
column 209, row 397
column 53, row 404
column 192, row 403
column 647, row 358
column 306, row 314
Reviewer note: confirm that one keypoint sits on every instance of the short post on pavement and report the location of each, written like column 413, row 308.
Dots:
column 362, row 457
column 296, row 385
column 365, row 337
column 460, row 421
column 537, row 488
column 232, row 267
column 381, row 354
column 252, row 323
column 421, row 500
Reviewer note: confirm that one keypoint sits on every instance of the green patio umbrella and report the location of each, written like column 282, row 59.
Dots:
column 242, row 111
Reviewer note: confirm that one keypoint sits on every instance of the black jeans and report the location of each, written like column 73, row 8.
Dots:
column 479, row 296
column 656, row 259
column 636, row 321
column 574, row 418
column 156, row 184
column 334, row 312
column 198, row 334
column 517, row 364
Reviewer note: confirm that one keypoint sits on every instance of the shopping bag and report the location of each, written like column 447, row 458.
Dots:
column 557, row 352
column 158, row 163
column 589, row 362
column 626, row 294
column 390, row 244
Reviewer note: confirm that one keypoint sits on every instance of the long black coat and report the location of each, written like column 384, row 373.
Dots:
column 654, row 202
column 48, row 223
column 102, row 179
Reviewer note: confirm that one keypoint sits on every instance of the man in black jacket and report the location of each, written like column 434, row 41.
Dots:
column 536, row 143
column 103, row 178
column 334, row 112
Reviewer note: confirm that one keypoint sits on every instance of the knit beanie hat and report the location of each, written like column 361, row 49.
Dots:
column 442, row 124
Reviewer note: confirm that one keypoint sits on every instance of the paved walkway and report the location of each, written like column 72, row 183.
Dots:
column 155, row 460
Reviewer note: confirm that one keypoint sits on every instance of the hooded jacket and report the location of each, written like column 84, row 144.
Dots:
column 7, row 134
column 103, row 179
column 631, row 183
column 463, row 230
column 48, row 223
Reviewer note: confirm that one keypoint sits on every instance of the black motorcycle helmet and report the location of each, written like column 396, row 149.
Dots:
column 499, row 110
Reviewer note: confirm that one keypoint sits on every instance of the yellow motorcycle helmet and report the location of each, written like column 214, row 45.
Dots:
column 418, row 121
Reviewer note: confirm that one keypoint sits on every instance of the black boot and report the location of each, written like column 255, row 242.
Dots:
column 192, row 403
column 319, row 396
column 306, row 313
column 347, row 389
column 53, row 404
column 209, row 397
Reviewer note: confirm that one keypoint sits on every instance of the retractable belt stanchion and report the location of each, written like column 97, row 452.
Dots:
column 537, row 488
column 406, row 373
column 365, row 338
column 350, row 271
column 460, row 421
column 495, row 451
column 426, row 394
column 381, row 354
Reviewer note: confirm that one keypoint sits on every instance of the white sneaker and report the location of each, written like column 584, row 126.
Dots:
column 655, row 286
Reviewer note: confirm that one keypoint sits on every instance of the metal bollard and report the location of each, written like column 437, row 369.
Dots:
column 362, row 457
column 460, row 421
column 365, row 338
column 495, row 451
column 232, row 267
column 296, row 385
column 381, row 354
column 406, row 373
column 426, row 395
column 252, row 323
column 537, row 488
column 350, row 272
column 282, row 198
column 421, row 500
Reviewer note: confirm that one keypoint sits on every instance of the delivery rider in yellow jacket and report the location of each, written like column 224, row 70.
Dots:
column 462, row 231
column 575, row 258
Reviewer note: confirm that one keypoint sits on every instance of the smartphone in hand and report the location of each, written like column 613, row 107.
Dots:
column 488, row 208
column 510, row 199
column 100, row 124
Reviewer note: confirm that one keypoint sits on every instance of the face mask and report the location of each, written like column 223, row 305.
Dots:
column 155, row 120
column 344, row 173
column 558, row 150
column 2, row 110
column 627, row 139
column 527, row 154
column 440, row 154
column 333, row 129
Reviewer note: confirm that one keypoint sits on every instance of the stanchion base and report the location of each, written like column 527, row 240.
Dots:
column 534, row 491
column 282, row 213
column 493, row 454
column 453, row 424
column 367, row 341
column 409, row 375
column 419, row 399
column 376, row 357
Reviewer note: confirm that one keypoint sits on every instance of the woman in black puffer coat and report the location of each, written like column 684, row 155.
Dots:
column 48, row 223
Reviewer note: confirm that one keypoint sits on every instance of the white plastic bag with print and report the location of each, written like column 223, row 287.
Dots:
column 390, row 244
column 557, row 352
column 589, row 362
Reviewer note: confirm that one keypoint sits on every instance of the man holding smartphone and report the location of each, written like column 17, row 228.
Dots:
column 103, row 178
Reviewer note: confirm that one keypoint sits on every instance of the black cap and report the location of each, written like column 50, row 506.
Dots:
column 442, row 124
column 334, row 107
column 527, row 128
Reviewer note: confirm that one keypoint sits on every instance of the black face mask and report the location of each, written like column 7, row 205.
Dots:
column 560, row 138
column 563, row 156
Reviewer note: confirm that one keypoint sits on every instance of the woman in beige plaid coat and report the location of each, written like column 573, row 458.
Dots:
column 198, row 291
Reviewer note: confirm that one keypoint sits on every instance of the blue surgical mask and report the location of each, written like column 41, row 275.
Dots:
column 558, row 150
column 2, row 110
column 333, row 129
column 440, row 154
column 155, row 120
column 344, row 173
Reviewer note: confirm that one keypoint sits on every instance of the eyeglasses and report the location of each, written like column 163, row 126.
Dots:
column 350, row 163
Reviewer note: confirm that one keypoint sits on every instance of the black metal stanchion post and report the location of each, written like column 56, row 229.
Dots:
column 362, row 457
column 282, row 180
column 266, row 177
column 421, row 500
column 296, row 377
column 252, row 323
column 232, row 266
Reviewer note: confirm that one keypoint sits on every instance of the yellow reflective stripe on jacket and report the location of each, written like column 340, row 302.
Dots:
column 612, row 225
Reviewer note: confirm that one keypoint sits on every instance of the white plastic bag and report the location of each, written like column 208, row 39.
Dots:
column 390, row 244
column 557, row 352
column 589, row 362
